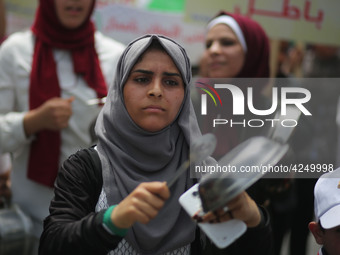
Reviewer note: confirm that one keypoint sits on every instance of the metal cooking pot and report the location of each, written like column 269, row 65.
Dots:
column 256, row 153
column 217, row 189
column 15, row 229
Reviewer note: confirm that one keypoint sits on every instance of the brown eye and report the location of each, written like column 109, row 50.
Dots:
column 141, row 80
column 227, row 42
column 208, row 44
column 171, row 83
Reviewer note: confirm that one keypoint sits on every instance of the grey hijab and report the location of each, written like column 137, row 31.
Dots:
column 131, row 155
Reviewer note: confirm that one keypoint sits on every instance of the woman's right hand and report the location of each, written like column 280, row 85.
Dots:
column 141, row 205
column 54, row 114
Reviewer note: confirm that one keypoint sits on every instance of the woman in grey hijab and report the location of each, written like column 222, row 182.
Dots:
column 119, row 203
column 132, row 153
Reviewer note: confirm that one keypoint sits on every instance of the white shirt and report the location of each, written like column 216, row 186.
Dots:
column 15, row 67
column 5, row 163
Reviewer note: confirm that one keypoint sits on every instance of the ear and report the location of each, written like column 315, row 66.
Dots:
column 316, row 231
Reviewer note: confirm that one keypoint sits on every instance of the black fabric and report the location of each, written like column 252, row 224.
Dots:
column 324, row 252
column 73, row 226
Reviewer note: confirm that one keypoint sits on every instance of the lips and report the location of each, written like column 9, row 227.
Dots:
column 73, row 9
column 216, row 64
column 154, row 108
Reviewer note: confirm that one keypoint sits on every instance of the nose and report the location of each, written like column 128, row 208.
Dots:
column 215, row 48
column 155, row 88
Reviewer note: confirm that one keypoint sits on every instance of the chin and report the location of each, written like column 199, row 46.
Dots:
column 216, row 73
column 221, row 75
column 153, row 128
column 72, row 23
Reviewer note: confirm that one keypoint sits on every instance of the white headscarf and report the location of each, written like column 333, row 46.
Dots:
column 231, row 22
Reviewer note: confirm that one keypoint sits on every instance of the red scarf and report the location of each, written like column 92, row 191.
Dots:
column 45, row 149
column 256, row 65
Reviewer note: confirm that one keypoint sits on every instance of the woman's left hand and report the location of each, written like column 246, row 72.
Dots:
column 242, row 207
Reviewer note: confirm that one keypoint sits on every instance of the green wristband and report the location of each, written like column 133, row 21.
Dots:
column 108, row 223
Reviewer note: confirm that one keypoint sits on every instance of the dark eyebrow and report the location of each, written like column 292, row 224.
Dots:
column 150, row 72
column 172, row 74
column 142, row 71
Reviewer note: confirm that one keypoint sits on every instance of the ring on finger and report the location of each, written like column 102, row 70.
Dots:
column 225, row 209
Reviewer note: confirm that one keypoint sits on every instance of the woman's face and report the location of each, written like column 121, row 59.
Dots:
column 154, row 91
column 224, row 56
column 73, row 13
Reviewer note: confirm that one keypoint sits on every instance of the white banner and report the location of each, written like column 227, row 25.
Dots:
column 311, row 21
column 125, row 23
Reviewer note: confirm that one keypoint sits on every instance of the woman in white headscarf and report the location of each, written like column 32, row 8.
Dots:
column 119, row 203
